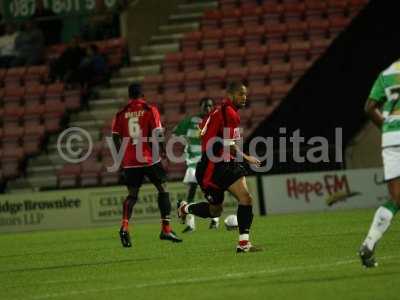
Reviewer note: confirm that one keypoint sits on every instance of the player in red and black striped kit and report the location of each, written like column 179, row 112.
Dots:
column 222, row 166
column 139, row 124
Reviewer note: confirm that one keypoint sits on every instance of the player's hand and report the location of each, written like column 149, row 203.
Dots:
column 253, row 161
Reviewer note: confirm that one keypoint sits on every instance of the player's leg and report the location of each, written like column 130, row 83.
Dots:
column 133, row 180
column 211, row 209
column 240, row 191
column 385, row 213
column 157, row 177
column 190, row 180
column 381, row 222
column 190, row 221
column 127, row 206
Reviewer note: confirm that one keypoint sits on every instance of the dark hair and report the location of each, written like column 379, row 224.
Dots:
column 204, row 99
column 135, row 90
column 234, row 86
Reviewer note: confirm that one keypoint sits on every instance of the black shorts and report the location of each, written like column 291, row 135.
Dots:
column 224, row 174
column 155, row 174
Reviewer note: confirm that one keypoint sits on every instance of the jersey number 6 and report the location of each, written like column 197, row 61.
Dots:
column 134, row 129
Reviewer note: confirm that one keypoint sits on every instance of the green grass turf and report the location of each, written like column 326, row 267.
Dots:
column 307, row 256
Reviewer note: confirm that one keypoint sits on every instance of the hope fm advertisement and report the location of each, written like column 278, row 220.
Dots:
column 324, row 191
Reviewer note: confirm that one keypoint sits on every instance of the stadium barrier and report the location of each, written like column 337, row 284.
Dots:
column 324, row 191
column 91, row 207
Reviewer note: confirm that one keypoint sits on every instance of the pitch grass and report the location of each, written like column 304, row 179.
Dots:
column 307, row 256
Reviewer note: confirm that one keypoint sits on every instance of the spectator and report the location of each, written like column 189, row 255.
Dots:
column 29, row 46
column 7, row 46
column 93, row 69
column 66, row 66
column 48, row 23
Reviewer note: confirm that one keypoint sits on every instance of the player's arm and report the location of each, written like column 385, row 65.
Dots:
column 236, row 151
column 233, row 136
column 375, row 100
column 372, row 109
column 158, row 130
column 116, row 136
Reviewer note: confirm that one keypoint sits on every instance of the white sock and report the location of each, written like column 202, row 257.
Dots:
column 379, row 225
column 216, row 220
column 190, row 221
column 244, row 237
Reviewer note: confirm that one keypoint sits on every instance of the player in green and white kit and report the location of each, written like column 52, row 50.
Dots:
column 189, row 129
column 385, row 95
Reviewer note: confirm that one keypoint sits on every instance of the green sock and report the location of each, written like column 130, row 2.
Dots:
column 392, row 206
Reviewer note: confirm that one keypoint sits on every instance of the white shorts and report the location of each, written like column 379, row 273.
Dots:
column 190, row 175
column 391, row 162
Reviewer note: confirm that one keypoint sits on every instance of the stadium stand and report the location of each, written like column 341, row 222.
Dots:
column 268, row 46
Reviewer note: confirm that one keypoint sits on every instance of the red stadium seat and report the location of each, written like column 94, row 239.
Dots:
column 215, row 79
column 299, row 68
column 68, row 176
column 279, row 91
column 172, row 63
column 173, row 102
column 173, row 82
column 10, row 167
column 33, row 136
column 14, row 76
column 234, row 57
column 337, row 7
column 319, row 46
column 297, row 31
column 315, row 10
column 338, row 24
column 108, row 178
column 276, row 32
column 211, row 39
column 192, row 60
column 90, row 175
column 277, row 53
column 299, row 51
column 32, row 115
column 227, row 4
column 191, row 41
column 194, row 81
column 259, row 96
column 256, row 56
column 258, row 76
column 237, row 74
column 254, row 36
column 11, row 135
column 232, row 37
column 231, row 18
column 280, row 73
column 36, row 74
column 251, row 14
column 213, row 59
column 211, row 20
column 34, row 93
column 192, row 101
column 318, row 29
column 13, row 95
column 152, row 84
column 54, row 111
column 13, row 114
column 273, row 13
column 294, row 11
column 55, row 92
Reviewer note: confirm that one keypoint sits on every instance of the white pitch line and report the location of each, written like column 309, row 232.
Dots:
column 203, row 279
